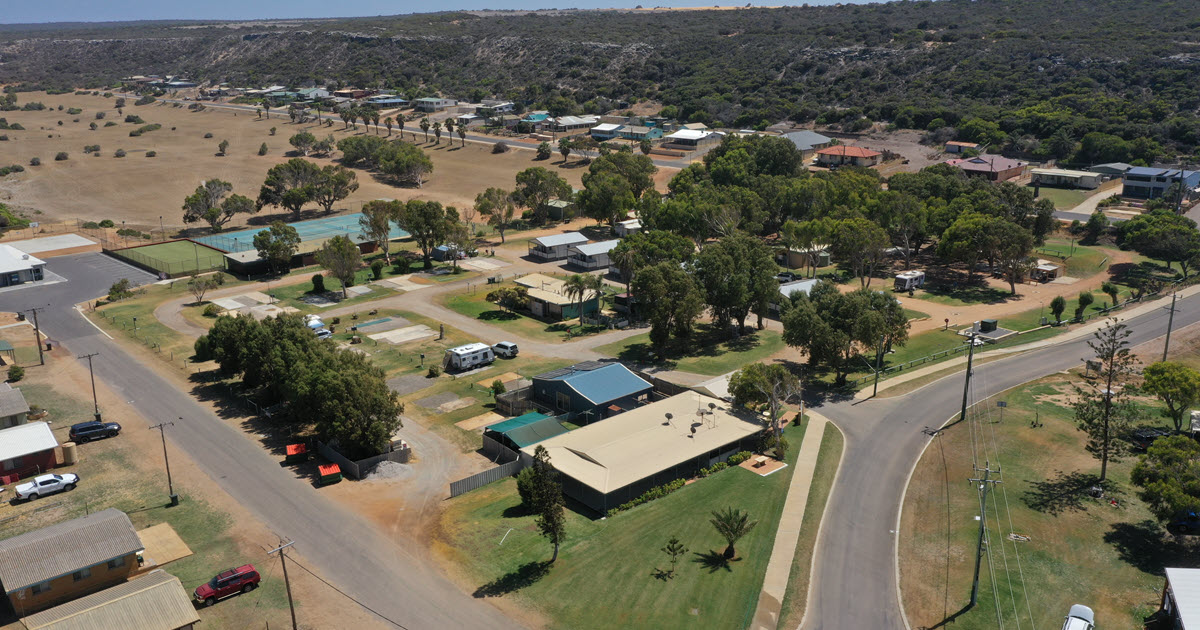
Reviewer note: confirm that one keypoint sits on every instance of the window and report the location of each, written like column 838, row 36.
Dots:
column 81, row 575
column 12, row 464
column 116, row 563
column 563, row 401
column 38, row 589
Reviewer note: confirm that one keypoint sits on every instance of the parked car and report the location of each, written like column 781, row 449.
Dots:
column 506, row 349
column 1185, row 524
column 87, row 431
column 240, row 580
column 786, row 276
column 1080, row 618
column 43, row 485
column 1144, row 437
column 323, row 333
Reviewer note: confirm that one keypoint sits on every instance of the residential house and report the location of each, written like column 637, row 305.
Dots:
column 1065, row 178
column 155, row 601
column 564, row 124
column 637, row 133
column 591, row 391
column 591, row 256
column 808, row 142
column 537, row 119
column 690, row 139
column 614, row 461
column 469, row 119
column 282, row 97
column 957, row 146
column 845, row 155
column 1150, row 182
column 555, row 246
column 431, row 104
column 1112, row 169
column 352, row 93
column 627, row 227
column 548, row 298
column 27, row 449
column 995, row 168
column 606, row 131
column 1181, row 599
column 313, row 93
column 13, row 408
column 17, row 267
column 49, row 566
column 789, row 289
column 488, row 109
column 389, row 102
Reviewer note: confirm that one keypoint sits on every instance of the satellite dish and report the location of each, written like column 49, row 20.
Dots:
column 669, row 417
column 693, row 431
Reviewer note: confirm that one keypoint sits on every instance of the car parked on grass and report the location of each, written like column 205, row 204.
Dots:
column 243, row 579
column 506, row 349
column 87, row 431
column 786, row 276
column 1080, row 618
column 1144, row 437
column 323, row 333
column 1185, row 524
column 43, row 485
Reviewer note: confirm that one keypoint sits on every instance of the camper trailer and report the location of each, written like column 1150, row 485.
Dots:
column 909, row 280
column 470, row 356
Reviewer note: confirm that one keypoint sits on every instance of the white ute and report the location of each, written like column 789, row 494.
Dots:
column 1080, row 618
column 46, row 484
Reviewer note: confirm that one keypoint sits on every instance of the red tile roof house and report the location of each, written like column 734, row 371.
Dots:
column 842, row 155
column 995, row 168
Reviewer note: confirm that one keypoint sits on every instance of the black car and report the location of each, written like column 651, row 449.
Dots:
column 1144, row 437
column 1185, row 524
column 86, row 431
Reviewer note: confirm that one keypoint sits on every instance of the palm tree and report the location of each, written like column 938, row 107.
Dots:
column 596, row 284
column 732, row 525
column 317, row 107
column 388, row 123
column 576, row 288
column 257, row 110
column 266, row 110
column 624, row 259
column 425, row 127
column 375, row 120
column 400, row 126
column 450, row 129
column 437, row 132
column 462, row 134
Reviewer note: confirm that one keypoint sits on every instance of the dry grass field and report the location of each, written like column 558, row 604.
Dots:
column 139, row 189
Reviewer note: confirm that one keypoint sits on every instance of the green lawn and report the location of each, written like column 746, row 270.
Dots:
column 706, row 352
column 290, row 295
column 1078, row 547
column 1080, row 261
column 608, row 571
column 118, row 318
column 828, row 458
column 473, row 303
column 1065, row 198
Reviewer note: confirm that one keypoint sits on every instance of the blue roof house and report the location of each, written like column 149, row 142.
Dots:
column 591, row 391
column 1146, row 182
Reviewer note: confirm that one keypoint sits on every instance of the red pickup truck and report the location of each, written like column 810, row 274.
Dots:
column 240, row 580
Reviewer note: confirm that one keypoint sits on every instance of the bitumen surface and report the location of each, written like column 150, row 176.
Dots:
column 345, row 548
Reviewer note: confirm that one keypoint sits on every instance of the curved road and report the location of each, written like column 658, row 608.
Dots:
column 854, row 579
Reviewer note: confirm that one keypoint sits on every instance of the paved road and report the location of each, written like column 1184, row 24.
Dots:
column 854, row 580
column 344, row 547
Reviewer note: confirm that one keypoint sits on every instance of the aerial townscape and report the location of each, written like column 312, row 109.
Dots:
column 866, row 316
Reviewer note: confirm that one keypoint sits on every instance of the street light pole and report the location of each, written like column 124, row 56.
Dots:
column 161, row 228
column 95, row 402
column 170, row 486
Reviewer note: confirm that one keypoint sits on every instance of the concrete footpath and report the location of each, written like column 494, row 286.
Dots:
column 779, row 567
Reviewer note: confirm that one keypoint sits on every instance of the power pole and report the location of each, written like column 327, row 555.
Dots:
column 983, row 484
column 878, row 365
column 1170, row 323
column 287, row 584
column 967, row 381
column 37, row 333
column 95, row 402
column 170, row 486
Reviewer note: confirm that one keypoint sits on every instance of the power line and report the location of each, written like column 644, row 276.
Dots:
column 349, row 597
column 282, row 550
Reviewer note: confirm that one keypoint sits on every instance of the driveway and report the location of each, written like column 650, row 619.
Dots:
column 854, row 572
column 344, row 547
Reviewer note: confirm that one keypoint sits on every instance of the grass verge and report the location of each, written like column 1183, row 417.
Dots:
column 707, row 351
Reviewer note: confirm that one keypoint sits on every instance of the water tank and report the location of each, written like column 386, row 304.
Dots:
column 70, row 457
column 823, row 259
column 987, row 325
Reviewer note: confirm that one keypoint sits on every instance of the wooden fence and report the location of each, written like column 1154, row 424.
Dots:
column 484, row 478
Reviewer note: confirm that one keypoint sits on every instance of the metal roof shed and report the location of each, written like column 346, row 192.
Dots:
column 525, row 430
column 1181, row 597
column 25, row 439
column 44, row 554
column 156, row 601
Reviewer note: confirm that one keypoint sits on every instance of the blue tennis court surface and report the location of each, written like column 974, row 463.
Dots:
column 312, row 230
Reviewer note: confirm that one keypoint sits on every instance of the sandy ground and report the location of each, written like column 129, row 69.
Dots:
column 139, row 190
column 319, row 606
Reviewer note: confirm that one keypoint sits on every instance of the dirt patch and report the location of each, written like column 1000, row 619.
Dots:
column 390, row 471
column 409, row 383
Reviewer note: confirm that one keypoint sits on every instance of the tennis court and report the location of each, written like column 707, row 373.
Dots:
column 309, row 231
column 174, row 258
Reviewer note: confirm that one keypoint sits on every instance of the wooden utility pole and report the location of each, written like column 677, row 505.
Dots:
column 37, row 333
column 170, row 486
column 1170, row 323
column 967, row 381
column 287, row 584
column 95, row 402
column 984, row 484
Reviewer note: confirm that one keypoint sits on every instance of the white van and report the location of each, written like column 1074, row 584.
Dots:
column 468, row 357
column 505, row 349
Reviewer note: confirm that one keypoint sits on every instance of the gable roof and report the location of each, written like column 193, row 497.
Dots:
column 566, row 238
column 1185, row 585
column 848, row 151
column 13, row 259
column 806, row 139
column 603, row 127
column 788, row 289
column 155, row 601
column 600, row 384
column 689, row 134
column 986, row 163
column 23, row 439
column 58, row 550
column 1155, row 171
column 592, row 249
column 12, row 402
column 528, row 429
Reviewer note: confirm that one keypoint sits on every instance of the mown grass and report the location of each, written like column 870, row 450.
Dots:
column 614, row 565
column 707, row 351
column 474, row 304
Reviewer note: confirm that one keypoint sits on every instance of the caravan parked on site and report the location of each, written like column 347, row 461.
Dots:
column 468, row 357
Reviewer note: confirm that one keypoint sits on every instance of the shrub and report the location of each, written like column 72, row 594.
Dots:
column 400, row 265
column 90, row 225
column 61, row 156
column 35, row 161
column 434, row 372
column 144, row 129
column 120, row 153
column 60, row 123
column 92, row 126
column 526, row 486
column 16, row 127
column 110, row 124
column 135, row 119
column 145, row 100
column 99, row 115
column 500, row 147
column 151, row 153
column 107, row 223
column 74, row 111
column 656, row 492
column 262, row 149
column 89, row 148
column 207, row 136
column 15, row 373
column 212, row 310
column 202, row 348
column 318, row 281
column 15, row 168
column 377, row 269
column 739, row 457
column 120, row 290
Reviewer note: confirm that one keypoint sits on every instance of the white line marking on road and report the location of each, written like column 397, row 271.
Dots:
column 85, row 318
